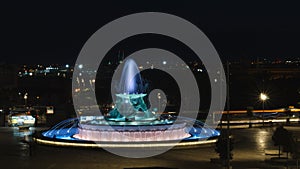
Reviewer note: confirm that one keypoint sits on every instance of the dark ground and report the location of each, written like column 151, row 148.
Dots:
column 249, row 152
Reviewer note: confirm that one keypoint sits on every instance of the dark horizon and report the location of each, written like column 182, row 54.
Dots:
column 56, row 32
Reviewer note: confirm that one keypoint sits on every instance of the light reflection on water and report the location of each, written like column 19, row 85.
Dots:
column 263, row 139
column 20, row 141
column 22, row 132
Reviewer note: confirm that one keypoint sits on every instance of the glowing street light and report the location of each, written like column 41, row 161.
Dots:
column 159, row 97
column 263, row 97
column 25, row 98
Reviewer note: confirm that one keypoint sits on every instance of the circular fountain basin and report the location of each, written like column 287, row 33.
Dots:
column 71, row 133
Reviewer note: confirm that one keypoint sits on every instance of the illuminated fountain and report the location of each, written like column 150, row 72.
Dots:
column 130, row 105
column 130, row 121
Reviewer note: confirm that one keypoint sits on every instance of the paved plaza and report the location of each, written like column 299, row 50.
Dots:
column 250, row 148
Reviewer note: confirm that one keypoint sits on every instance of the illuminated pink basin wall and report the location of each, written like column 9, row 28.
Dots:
column 145, row 134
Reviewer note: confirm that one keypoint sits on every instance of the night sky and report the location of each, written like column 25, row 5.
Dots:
column 55, row 32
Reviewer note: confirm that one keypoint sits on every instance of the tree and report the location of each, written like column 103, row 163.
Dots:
column 284, row 138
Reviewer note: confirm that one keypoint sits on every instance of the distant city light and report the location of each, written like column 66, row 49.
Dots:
column 80, row 66
column 67, row 66
column 164, row 62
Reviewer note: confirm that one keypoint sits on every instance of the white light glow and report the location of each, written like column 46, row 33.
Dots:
column 263, row 96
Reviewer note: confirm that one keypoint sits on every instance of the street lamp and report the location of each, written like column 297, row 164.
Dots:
column 159, row 97
column 25, row 98
column 263, row 97
column 37, row 100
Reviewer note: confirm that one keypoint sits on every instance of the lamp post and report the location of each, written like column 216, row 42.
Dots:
column 263, row 97
column 37, row 100
column 159, row 97
column 25, row 99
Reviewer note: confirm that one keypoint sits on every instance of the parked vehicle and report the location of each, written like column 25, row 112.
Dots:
column 20, row 118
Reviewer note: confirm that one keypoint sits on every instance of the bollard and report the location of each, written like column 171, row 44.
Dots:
column 288, row 121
